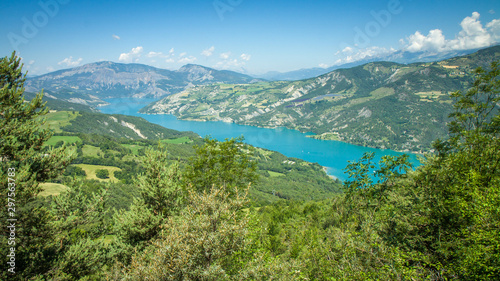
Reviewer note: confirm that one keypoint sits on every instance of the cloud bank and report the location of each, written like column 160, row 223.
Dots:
column 472, row 36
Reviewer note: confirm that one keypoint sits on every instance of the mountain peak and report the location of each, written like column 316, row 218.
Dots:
column 190, row 67
column 92, row 82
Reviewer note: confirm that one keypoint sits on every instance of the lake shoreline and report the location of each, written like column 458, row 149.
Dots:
column 325, row 169
column 312, row 135
column 334, row 155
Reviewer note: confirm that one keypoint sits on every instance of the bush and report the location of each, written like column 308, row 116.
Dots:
column 102, row 173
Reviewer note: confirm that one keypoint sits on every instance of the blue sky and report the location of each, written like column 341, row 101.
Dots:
column 251, row 36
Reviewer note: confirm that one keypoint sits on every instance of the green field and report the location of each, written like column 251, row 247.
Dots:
column 58, row 119
column 325, row 136
column 178, row 140
column 275, row 174
column 66, row 139
column 134, row 148
column 93, row 151
column 91, row 169
column 52, row 189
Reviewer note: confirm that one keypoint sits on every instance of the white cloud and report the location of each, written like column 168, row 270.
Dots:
column 170, row 60
column 246, row 57
column 323, row 65
column 70, row 62
column 225, row 56
column 347, row 50
column 50, row 69
column 494, row 28
column 116, row 37
column 133, row 55
column 189, row 59
column 434, row 41
column 155, row 54
column 208, row 52
column 473, row 35
column 491, row 11
column 360, row 54
column 230, row 64
column 182, row 54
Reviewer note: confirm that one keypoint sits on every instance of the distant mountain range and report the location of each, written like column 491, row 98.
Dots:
column 91, row 83
column 401, row 56
column 378, row 104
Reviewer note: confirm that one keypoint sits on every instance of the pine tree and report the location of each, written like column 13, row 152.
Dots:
column 162, row 195
column 24, row 164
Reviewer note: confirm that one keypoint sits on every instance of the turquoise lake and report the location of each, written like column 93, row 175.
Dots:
column 334, row 155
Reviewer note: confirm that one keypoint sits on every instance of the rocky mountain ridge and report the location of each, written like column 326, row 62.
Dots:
column 91, row 83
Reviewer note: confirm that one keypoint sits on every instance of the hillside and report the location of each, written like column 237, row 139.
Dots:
column 121, row 126
column 115, row 126
column 119, row 141
column 91, row 83
column 59, row 104
column 379, row 104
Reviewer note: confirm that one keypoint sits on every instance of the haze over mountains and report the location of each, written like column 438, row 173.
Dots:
column 401, row 56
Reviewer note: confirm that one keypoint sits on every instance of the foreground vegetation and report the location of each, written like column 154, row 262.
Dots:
column 192, row 219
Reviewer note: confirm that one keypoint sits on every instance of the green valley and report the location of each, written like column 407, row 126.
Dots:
column 118, row 142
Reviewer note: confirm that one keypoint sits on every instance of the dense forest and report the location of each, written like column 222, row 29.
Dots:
column 195, row 213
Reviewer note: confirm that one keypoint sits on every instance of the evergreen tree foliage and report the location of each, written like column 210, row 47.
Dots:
column 161, row 195
column 24, row 164
column 160, row 184
column 78, row 221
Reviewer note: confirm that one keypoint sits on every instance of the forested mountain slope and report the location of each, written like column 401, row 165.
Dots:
column 379, row 104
